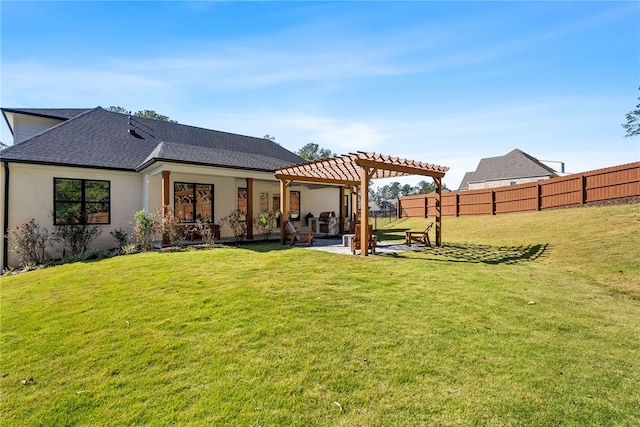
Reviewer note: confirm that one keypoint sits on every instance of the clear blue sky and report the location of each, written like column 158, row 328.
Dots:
column 440, row 82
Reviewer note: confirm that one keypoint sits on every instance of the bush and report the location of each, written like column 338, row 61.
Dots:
column 30, row 242
column 75, row 239
column 205, row 229
column 172, row 227
column 237, row 220
column 121, row 236
column 129, row 249
column 267, row 222
column 146, row 229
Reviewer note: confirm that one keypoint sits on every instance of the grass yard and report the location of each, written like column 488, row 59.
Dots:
column 522, row 319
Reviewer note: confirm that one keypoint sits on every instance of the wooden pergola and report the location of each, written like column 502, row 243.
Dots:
column 353, row 170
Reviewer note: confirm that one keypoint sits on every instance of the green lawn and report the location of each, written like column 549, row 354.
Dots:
column 522, row 319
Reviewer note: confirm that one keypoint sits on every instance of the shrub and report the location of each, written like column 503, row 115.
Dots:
column 129, row 249
column 146, row 229
column 30, row 242
column 205, row 229
column 75, row 239
column 121, row 236
column 267, row 222
column 237, row 220
column 172, row 227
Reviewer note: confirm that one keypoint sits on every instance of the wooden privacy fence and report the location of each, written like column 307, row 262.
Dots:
column 617, row 182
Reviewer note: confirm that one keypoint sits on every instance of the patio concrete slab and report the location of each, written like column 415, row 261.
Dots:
column 337, row 247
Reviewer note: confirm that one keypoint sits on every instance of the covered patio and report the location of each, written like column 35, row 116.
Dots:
column 354, row 171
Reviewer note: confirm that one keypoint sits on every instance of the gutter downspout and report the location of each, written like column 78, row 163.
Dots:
column 5, row 225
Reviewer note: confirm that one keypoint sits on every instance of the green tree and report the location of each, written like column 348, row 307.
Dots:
column 118, row 109
column 147, row 114
column 311, row 152
column 390, row 191
column 271, row 138
column 374, row 194
column 407, row 190
column 151, row 114
column 425, row 187
column 633, row 122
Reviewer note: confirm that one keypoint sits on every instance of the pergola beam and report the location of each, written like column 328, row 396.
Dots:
column 316, row 179
column 403, row 170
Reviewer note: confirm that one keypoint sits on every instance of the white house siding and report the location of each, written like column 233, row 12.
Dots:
column 316, row 200
column 503, row 182
column 27, row 126
column 225, row 181
column 2, row 180
column 31, row 196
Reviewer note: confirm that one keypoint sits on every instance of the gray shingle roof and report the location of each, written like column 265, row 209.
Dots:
column 103, row 139
column 513, row 165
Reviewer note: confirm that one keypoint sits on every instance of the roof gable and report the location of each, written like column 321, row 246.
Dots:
column 104, row 139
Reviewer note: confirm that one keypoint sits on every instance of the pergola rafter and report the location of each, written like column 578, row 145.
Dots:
column 356, row 169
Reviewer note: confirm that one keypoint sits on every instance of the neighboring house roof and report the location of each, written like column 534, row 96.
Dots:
column 104, row 139
column 513, row 165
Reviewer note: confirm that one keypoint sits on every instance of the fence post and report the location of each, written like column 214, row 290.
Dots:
column 457, row 201
column 583, row 189
column 539, row 196
column 438, row 203
column 493, row 202
column 426, row 206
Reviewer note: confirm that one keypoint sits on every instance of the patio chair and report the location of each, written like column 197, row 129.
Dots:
column 299, row 236
column 356, row 243
column 419, row 236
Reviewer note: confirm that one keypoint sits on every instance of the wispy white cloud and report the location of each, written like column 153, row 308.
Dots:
column 284, row 58
column 34, row 82
column 260, row 83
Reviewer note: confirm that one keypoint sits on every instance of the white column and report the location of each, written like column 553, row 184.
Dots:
column 145, row 192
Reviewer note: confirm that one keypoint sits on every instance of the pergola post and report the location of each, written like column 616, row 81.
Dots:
column 354, row 203
column 364, row 212
column 342, row 211
column 284, row 202
column 438, row 183
column 166, row 193
column 249, row 208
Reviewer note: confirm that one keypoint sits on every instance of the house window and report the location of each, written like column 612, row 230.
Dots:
column 192, row 201
column 243, row 206
column 275, row 205
column 272, row 202
column 81, row 201
column 513, row 183
column 264, row 202
column 294, row 204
